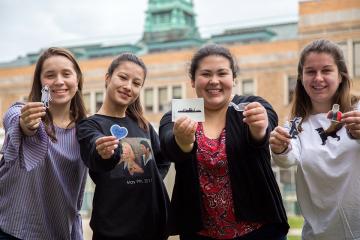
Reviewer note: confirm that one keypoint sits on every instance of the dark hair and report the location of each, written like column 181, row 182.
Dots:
column 302, row 105
column 77, row 108
column 134, row 110
column 145, row 143
column 210, row 50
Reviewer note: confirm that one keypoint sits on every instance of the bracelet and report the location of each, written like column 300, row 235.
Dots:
column 282, row 151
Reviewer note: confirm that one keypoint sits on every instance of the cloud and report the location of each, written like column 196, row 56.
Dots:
column 28, row 26
column 214, row 18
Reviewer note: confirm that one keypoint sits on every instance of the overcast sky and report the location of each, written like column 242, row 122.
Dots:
column 27, row 26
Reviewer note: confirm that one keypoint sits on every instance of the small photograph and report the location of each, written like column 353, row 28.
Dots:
column 136, row 155
column 193, row 108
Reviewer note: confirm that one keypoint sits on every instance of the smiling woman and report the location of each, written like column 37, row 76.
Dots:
column 224, row 159
column 57, row 69
column 41, row 173
column 326, row 152
column 127, row 168
column 320, row 80
column 58, row 73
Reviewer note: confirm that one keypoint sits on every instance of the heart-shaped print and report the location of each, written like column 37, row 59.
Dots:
column 118, row 132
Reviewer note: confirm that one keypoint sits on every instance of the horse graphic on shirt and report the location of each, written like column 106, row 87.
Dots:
column 330, row 132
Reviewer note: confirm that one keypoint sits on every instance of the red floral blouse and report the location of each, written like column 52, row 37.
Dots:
column 218, row 215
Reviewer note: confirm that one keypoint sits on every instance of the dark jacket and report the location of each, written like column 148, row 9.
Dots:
column 255, row 191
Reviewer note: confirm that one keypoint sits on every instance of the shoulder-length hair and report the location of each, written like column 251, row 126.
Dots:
column 135, row 109
column 77, row 108
column 302, row 106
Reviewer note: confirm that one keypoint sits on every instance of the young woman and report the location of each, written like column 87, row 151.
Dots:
column 326, row 154
column 224, row 186
column 130, row 200
column 42, row 177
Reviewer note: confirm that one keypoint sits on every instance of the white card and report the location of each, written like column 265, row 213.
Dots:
column 193, row 108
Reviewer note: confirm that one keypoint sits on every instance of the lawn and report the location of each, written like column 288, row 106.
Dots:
column 293, row 237
column 295, row 222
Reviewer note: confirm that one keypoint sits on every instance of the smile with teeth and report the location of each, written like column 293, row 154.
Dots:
column 59, row 91
column 319, row 87
column 213, row 90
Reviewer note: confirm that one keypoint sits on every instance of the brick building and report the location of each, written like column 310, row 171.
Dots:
column 267, row 55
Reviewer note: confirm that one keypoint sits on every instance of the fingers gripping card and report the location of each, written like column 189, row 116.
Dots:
column 192, row 108
column 118, row 132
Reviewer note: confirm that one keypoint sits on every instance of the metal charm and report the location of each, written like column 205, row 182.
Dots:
column 45, row 96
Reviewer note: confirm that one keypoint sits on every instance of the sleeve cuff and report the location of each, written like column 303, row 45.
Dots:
column 179, row 153
column 263, row 143
column 283, row 153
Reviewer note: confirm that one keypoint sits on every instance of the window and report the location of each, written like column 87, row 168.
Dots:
column 148, row 98
column 247, row 87
column 357, row 59
column 176, row 92
column 188, row 19
column 291, row 87
column 163, row 99
column 99, row 97
column 86, row 97
column 163, row 17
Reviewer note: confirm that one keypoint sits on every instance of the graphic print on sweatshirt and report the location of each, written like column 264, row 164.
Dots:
column 136, row 155
column 331, row 131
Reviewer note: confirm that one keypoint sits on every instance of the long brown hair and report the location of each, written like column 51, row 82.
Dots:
column 77, row 108
column 301, row 105
column 135, row 109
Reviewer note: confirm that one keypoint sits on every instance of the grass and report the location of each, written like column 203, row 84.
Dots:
column 293, row 237
column 296, row 221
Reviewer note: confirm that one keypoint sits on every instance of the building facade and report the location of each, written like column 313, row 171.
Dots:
column 267, row 56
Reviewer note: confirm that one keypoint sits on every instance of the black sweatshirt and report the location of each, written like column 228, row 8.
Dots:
column 130, row 200
column 255, row 191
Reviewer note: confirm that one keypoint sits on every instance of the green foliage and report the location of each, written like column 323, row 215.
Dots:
column 296, row 221
column 293, row 237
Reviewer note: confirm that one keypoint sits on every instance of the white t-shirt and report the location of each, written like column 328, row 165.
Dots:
column 327, row 180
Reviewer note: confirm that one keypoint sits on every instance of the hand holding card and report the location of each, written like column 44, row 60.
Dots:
column 118, row 132
column 192, row 108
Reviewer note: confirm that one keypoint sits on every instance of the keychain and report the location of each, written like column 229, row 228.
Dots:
column 45, row 96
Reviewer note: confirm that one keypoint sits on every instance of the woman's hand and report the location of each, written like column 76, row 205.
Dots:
column 255, row 116
column 105, row 146
column 184, row 132
column 279, row 140
column 352, row 123
column 30, row 117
